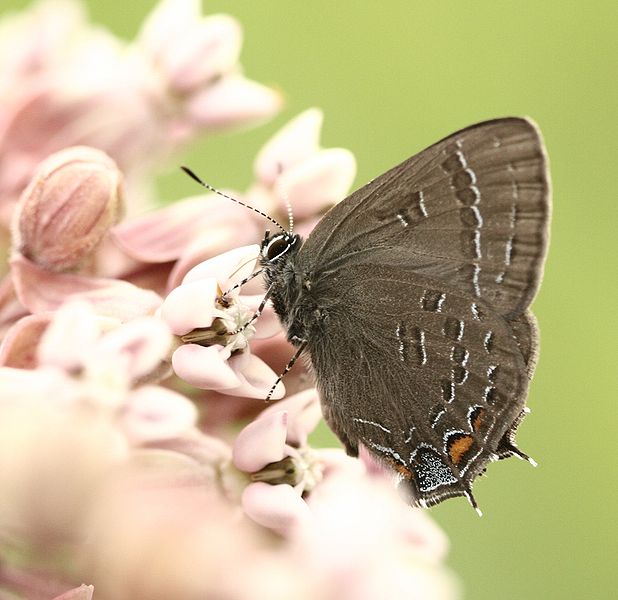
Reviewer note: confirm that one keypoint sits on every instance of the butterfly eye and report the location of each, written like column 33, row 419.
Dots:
column 277, row 246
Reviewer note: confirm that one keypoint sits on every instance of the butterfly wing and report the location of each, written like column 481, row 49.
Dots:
column 429, row 382
column 472, row 209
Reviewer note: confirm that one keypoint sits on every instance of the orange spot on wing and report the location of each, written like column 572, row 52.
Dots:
column 403, row 470
column 478, row 419
column 459, row 446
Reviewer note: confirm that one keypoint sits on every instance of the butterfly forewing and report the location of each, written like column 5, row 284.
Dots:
column 472, row 209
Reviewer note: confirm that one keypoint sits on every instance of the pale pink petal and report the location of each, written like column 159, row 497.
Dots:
column 306, row 226
column 73, row 329
column 36, row 39
column 227, row 268
column 363, row 515
column 277, row 507
column 256, row 377
column 83, row 592
column 10, row 308
column 262, row 198
column 231, row 102
column 267, row 324
column 19, row 346
column 304, row 415
column 27, row 385
column 206, row 449
column 293, row 143
column 213, row 242
column 261, row 442
column 204, row 367
column 110, row 260
column 139, row 345
column 334, row 460
column 73, row 199
column 206, row 50
column 40, row 290
column 190, row 306
column 155, row 413
column 371, row 464
column 161, row 235
column 317, row 183
column 167, row 21
column 422, row 531
column 165, row 234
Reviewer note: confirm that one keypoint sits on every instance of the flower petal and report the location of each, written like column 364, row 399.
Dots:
column 319, row 182
column 138, row 347
column 224, row 238
column 204, row 368
column 233, row 101
column 73, row 329
column 261, row 442
column 190, row 306
column 73, row 199
column 167, row 20
column 40, row 290
column 267, row 324
column 19, row 346
column 304, row 415
column 165, row 234
column 296, row 141
column 25, row 385
column 256, row 377
column 204, row 51
column 227, row 268
column 155, row 413
column 277, row 507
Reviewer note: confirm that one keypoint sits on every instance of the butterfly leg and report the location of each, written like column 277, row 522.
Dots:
column 255, row 316
column 287, row 369
column 243, row 282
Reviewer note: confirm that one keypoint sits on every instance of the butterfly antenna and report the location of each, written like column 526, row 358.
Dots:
column 284, row 195
column 193, row 176
column 282, row 192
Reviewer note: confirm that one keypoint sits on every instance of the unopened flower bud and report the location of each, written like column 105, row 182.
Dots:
column 70, row 204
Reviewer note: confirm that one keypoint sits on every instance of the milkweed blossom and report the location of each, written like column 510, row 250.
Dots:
column 138, row 458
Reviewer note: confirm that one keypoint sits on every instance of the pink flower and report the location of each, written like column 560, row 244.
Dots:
column 195, row 60
column 66, row 83
column 213, row 328
column 106, row 469
column 188, row 231
column 62, row 217
column 363, row 542
column 291, row 166
column 102, row 363
column 273, row 449
column 349, row 528
column 73, row 199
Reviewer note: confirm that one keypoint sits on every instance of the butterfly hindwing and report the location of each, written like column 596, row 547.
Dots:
column 428, row 384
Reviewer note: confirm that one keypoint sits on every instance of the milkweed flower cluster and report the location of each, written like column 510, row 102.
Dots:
column 137, row 459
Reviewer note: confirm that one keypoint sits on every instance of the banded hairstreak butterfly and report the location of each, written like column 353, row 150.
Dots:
column 410, row 299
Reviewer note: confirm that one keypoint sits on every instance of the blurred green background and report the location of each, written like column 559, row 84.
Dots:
column 393, row 77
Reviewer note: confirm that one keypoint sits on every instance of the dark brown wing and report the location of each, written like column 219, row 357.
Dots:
column 426, row 378
column 471, row 210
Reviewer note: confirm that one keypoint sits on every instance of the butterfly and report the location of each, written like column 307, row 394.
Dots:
column 410, row 299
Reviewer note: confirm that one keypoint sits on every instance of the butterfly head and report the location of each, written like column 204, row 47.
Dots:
column 275, row 248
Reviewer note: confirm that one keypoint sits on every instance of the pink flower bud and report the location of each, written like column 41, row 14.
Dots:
column 71, row 202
